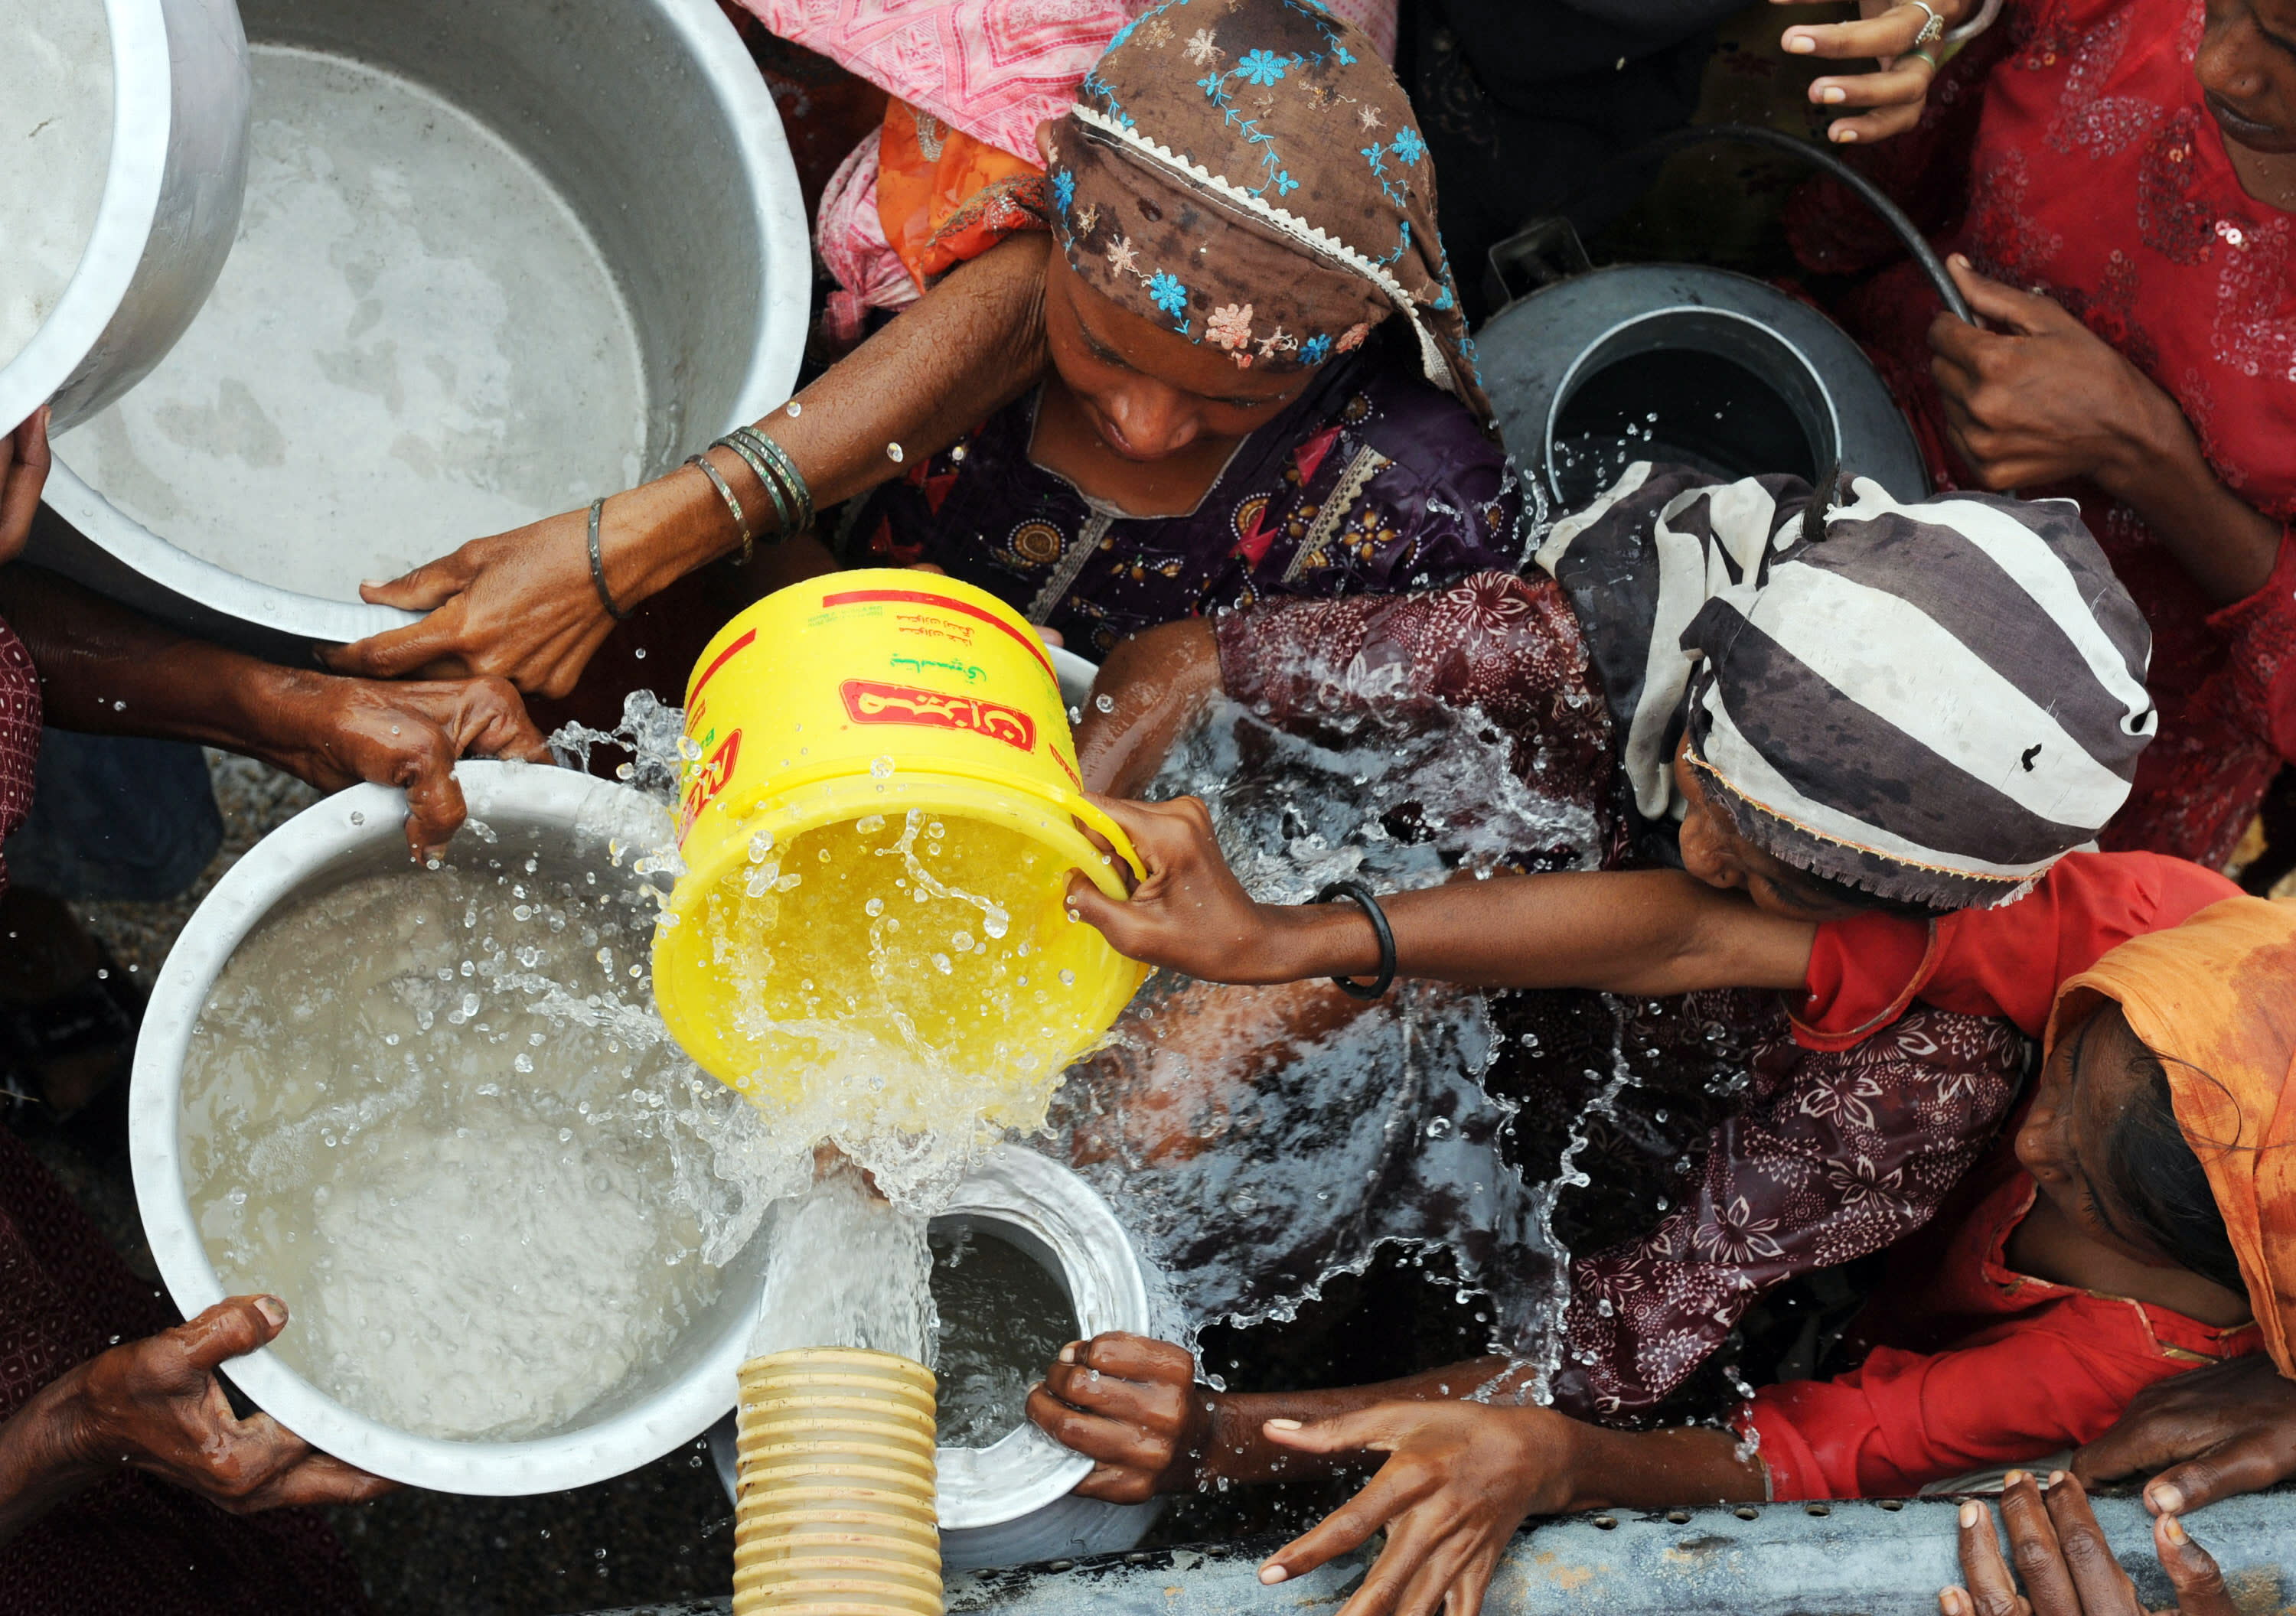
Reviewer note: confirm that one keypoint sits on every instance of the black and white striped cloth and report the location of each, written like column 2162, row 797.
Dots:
column 1930, row 702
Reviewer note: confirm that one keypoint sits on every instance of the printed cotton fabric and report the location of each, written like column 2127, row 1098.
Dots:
column 1930, row 702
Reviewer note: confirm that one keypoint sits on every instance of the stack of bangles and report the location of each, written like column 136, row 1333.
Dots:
column 783, row 484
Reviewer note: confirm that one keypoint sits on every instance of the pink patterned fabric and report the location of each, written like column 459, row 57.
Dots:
column 994, row 69
column 850, row 239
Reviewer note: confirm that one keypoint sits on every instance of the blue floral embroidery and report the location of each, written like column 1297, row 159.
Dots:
column 1407, row 145
column 1442, row 299
column 1212, row 88
column 1168, row 294
column 1316, row 349
column 1261, row 66
column 1064, row 188
column 1285, row 182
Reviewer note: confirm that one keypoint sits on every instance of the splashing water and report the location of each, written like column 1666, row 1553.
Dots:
column 1258, row 1142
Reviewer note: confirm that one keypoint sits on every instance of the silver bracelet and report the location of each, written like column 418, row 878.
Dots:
column 792, row 480
column 764, row 474
column 733, row 504
column 598, row 565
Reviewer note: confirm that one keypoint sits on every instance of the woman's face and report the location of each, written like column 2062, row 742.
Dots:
column 1714, row 852
column 1149, row 392
column 2247, row 70
column 2090, row 1078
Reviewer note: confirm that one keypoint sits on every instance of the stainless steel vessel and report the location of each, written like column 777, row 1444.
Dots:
column 650, row 122
column 171, row 196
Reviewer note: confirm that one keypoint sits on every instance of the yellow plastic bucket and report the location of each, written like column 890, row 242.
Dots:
column 870, row 747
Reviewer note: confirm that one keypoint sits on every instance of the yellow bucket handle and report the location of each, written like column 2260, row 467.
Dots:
column 1098, row 819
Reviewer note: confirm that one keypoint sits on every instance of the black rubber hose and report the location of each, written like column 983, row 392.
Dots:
column 1817, row 157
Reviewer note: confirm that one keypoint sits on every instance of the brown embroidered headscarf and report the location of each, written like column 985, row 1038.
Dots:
column 1249, row 174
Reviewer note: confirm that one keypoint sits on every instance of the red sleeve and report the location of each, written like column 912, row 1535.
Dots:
column 2257, row 689
column 2005, row 961
column 1901, row 1420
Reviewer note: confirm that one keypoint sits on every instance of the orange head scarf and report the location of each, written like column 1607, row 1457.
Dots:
column 2216, row 998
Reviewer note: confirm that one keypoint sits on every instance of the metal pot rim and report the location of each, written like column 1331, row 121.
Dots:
column 143, row 113
column 274, row 870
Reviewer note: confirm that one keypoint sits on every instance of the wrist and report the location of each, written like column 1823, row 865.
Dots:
column 657, row 532
column 1312, row 940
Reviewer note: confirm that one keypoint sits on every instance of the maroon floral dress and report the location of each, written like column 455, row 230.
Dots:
column 130, row 1543
column 1767, row 1159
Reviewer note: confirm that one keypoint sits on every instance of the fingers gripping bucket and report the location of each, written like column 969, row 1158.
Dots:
column 835, row 1516
column 859, row 743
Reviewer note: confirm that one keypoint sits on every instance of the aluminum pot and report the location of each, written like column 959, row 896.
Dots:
column 170, row 207
column 1726, row 372
column 651, row 122
column 355, row 833
column 1012, row 1503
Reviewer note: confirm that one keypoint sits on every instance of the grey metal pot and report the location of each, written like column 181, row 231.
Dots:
column 651, row 122
column 1676, row 362
column 171, row 197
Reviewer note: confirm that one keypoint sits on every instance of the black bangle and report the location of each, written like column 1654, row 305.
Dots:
column 1378, row 918
column 598, row 566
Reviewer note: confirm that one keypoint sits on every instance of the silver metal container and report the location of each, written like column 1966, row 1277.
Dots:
column 170, row 207
column 356, row 833
column 648, row 122
column 1013, row 1502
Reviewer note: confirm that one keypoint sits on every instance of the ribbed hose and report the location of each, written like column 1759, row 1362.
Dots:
column 835, row 1515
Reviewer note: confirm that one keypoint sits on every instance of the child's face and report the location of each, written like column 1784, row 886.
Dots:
column 2090, row 1078
column 1714, row 852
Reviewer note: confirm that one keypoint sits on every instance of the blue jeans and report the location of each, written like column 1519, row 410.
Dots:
column 116, row 818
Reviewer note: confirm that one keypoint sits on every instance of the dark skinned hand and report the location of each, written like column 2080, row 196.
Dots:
column 2068, row 1567
column 1132, row 1406
column 1459, row 1479
column 2041, row 399
column 2229, row 1428
column 336, row 732
column 156, row 1405
column 1188, row 913
column 24, row 461
column 519, row 605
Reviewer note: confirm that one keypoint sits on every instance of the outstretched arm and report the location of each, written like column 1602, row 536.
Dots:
column 1641, row 932
column 522, row 605
column 104, row 669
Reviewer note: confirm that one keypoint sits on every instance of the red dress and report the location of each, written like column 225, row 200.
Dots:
column 1866, row 972
column 1979, row 1366
column 2070, row 151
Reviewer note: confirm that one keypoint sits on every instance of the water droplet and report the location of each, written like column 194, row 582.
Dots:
column 893, row 453
column 358, row 818
column 881, row 768
column 1106, row 704
column 873, row 908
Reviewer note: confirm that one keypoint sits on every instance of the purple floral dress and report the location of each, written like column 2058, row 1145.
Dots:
column 1372, row 482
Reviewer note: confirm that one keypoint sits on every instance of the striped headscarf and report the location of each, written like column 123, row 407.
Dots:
column 1247, row 173
column 1929, row 702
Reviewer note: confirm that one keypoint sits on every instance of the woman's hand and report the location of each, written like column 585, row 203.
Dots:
column 337, row 732
column 156, row 1405
column 1885, row 34
column 1459, row 1479
column 1132, row 1406
column 2227, row 1429
column 2069, row 1567
column 1188, row 913
column 519, row 606
column 24, row 461
column 2042, row 398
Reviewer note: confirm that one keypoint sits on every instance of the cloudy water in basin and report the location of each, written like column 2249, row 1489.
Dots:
column 414, row 343
column 424, row 1109
column 55, row 145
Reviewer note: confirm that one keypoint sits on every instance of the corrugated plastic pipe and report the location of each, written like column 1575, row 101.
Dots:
column 835, row 1516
